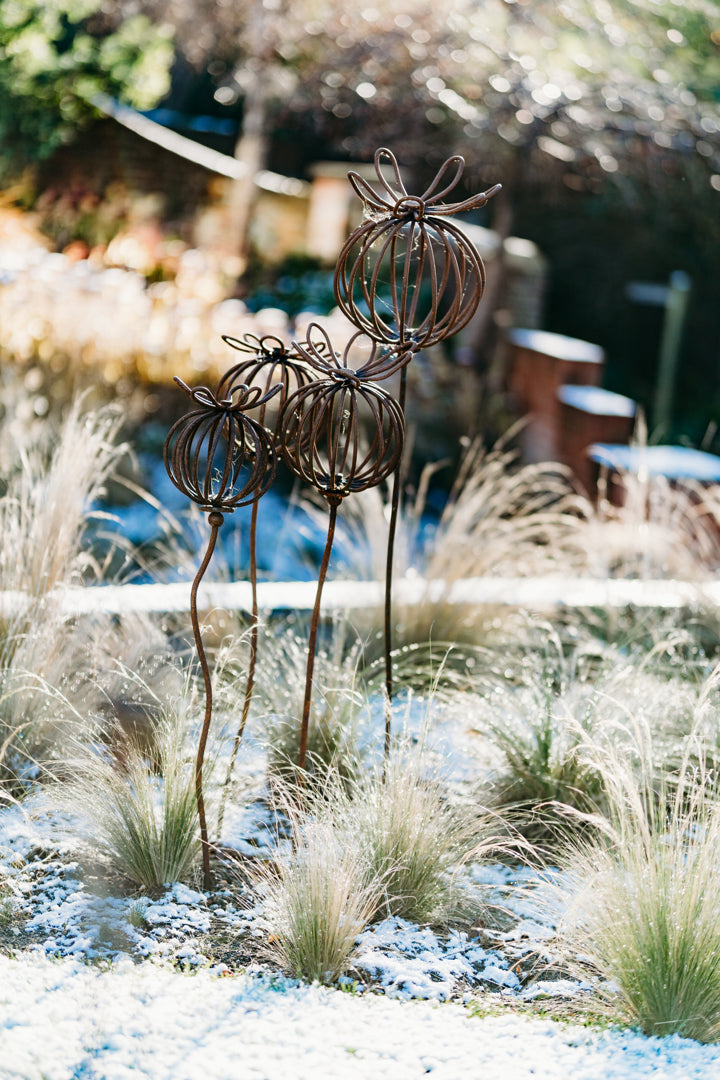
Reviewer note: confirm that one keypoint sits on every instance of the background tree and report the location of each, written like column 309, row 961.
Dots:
column 600, row 117
column 55, row 56
column 276, row 64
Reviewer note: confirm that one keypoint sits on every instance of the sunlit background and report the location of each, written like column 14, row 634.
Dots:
column 174, row 171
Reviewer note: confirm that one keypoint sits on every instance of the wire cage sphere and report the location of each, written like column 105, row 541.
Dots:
column 342, row 433
column 217, row 455
column 407, row 276
column 269, row 364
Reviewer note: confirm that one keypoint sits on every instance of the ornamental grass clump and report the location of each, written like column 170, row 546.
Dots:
column 640, row 894
column 331, row 747
column 139, row 810
column 501, row 518
column 319, row 897
column 337, row 711
column 543, row 770
column 536, row 714
column 533, row 716
column 413, row 838
column 47, row 488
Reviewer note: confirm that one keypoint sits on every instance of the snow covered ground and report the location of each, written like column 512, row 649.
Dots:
column 62, row 1020
column 100, row 995
column 101, row 985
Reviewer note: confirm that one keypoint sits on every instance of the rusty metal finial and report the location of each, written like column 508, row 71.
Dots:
column 324, row 424
column 268, row 363
column 208, row 451
column 407, row 276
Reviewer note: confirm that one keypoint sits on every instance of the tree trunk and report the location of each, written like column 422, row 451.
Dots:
column 251, row 152
column 252, row 145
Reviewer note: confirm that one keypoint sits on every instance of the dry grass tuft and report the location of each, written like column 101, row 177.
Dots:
column 138, row 809
column 640, row 894
column 338, row 707
column 45, row 508
column 662, row 529
column 501, row 518
column 319, row 898
column 536, row 717
column 414, row 839
column 48, row 488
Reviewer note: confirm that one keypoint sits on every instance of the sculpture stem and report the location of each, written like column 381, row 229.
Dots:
column 215, row 519
column 394, row 510
column 250, row 684
column 334, row 502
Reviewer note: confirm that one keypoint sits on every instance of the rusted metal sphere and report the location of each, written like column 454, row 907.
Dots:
column 407, row 276
column 269, row 364
column 342, row 432
column 217, row 455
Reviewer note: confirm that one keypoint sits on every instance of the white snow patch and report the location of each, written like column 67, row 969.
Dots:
column 62, row 1020
column 412, row 962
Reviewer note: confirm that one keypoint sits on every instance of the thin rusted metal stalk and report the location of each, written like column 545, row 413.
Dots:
column 394, row 511
column 252, row 660
column 312, row 640
column 215, row 520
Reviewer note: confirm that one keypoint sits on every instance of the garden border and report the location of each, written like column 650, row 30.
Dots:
column 546, row 593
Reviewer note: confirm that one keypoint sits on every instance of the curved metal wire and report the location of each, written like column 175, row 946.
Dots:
column 324, row 423
column 318, row 354
column 217, row 455
column 341, row 433
column 270, row 363
column 215, row 520
column 407, row 276
column 389, row 561
column 409, row 283
column 398, row 199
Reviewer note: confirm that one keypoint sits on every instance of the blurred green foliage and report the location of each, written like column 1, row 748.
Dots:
column 300, row 283
column 55, row 57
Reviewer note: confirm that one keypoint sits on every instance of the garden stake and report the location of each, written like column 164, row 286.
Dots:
column 215, row 520
column 190, row 452
column 437, row 292
column 333, row 502
column 392, row 529
column 321, row 443
column 271, row 363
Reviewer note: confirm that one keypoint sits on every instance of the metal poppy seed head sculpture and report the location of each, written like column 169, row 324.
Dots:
column 268, row 365
column 217, row 455
column 408, row 276
column 342, row 433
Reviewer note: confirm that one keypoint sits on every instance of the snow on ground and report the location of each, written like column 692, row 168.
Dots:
column 68, row 916
column 63, row 1020
column 108, row 987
